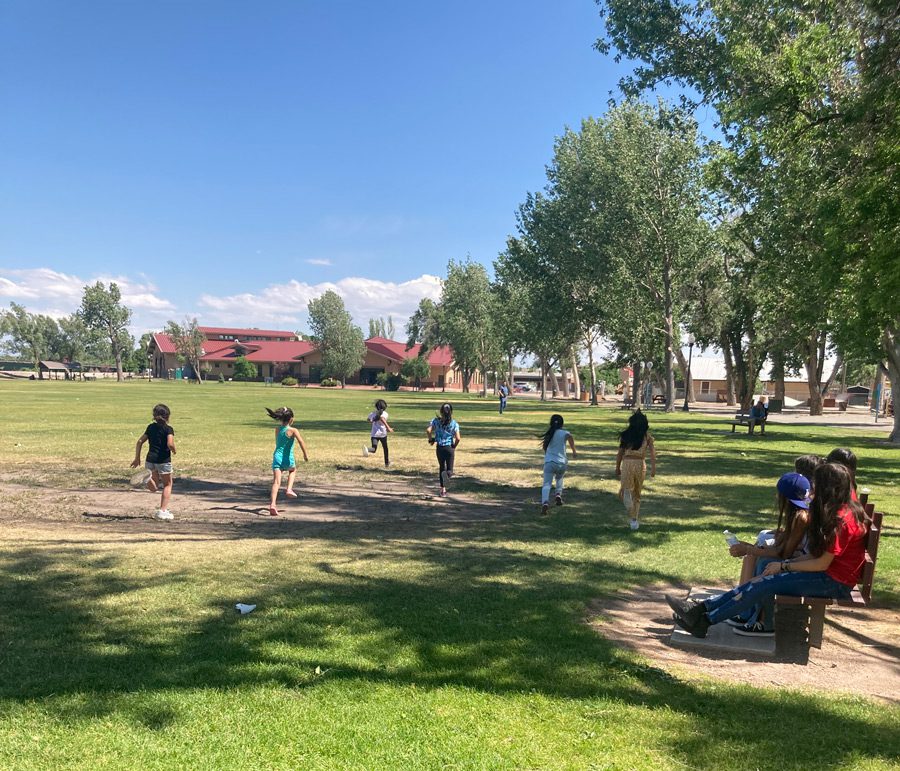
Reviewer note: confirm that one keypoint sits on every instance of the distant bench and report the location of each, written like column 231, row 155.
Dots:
column 742, row 419
column 813, row 619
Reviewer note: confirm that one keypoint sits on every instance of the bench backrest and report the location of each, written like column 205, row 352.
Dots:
column 872, row 539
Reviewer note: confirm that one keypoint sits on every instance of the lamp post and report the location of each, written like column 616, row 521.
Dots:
column 149, row 367
column 648, row 387
column 687, row 380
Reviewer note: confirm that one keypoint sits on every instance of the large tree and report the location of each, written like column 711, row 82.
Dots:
column 102, row 311
column 338, row 339
column 29, row 335
column 188, row 341
column 808, row 97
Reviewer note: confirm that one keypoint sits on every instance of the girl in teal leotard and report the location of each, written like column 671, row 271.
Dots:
column 283, row 457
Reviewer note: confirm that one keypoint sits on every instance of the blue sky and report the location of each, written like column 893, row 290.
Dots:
column 230, row 160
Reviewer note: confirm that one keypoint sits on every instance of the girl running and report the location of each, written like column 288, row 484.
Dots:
column 380, row 430
column 631, row 467
column 159, row 458
column 443, row 431
column 555, row 462
column 283, row 457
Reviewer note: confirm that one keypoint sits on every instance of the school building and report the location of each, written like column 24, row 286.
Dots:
column 277, row 354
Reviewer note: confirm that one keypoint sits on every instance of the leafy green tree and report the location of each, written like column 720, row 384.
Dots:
column 188, row 341
column 243, row 369
column 808, row 97
column 102, row 311
column 28, row 335
column 415, row 369
column 340, row 342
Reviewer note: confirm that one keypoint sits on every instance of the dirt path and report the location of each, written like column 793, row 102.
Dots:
column 860, row 653
column 221, row 508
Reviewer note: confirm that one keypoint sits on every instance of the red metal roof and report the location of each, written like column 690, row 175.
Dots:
column 391, row 349
column 246, row 334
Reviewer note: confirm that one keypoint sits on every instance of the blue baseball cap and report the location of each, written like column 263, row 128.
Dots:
column 795, row 487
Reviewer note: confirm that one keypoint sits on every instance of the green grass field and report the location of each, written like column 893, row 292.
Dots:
column 433, row 644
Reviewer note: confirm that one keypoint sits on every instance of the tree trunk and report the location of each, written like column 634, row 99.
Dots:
column 118, row 352
column 890, row 342
column 510, row 368
column 543, row 379
column 670, row 363
column 554, row 383
column 729, row 373
column 636, row 384
column 564, row 371
column 812, row 363
column 745, row 371
column 593, row 373
column 838, row 365
column 575, row 374
column 778, row 373
column 686, row 375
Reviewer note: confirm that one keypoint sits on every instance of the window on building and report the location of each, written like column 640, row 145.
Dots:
column 704, row 386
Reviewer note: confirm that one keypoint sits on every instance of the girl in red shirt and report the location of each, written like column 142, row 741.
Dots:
column 837, row 532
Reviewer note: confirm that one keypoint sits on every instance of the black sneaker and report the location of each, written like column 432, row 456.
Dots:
column 690, row 615
column 736, row 621
column 756, row 629
column 559, row 500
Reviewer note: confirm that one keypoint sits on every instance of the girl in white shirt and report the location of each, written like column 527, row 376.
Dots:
column 555, row 461
column 380, row 429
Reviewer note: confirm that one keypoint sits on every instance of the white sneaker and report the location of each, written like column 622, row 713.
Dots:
column 164, row 514
column 365, row 451
column 634, row 524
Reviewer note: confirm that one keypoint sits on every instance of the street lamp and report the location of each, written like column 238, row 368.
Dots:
column 149, row 366
column 648, row 386
column 687, row 380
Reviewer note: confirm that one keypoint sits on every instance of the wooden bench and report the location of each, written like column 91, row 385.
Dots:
column 861, row 595
column 742, row 419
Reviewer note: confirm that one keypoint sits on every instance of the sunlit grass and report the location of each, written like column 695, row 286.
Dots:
column 438, row 645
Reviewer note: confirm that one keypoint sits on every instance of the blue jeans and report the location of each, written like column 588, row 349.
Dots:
column 762, row 591
column 502, row 404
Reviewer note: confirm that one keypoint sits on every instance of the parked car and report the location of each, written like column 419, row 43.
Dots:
column 521, row 388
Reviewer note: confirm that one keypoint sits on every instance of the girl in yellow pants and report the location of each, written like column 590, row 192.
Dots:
column 631, row 467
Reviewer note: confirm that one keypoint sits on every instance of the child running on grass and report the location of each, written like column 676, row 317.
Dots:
column 634, row 442
column 380, row 430
column 443, row 431
column 283, row 457
column 555, row 462
column 159, row 458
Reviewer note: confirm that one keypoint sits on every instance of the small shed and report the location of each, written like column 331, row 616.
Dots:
column 53, row 370
column 858, row 396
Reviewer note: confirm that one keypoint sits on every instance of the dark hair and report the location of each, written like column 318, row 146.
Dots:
column 807, row 465
column 284, row 414
column 161, row 413
column 380, row 405
column 633, row 437
column 446, row 413
column 833, row 484
column 847, row 459
column 556, row 421
column 787, row 513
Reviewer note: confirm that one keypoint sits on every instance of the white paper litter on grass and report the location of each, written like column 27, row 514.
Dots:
column 243, row 609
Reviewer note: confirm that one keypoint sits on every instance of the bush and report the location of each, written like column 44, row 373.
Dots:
column 389, row 381
column 221, row 378
column 288, row 381
column 243, row 369
column 329, row 382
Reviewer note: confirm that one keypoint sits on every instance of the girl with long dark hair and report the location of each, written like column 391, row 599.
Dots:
column 443, row 431
column 631, row 467
column 833, row 566
column 554, row 442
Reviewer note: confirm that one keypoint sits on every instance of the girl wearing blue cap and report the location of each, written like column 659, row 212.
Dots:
column 789, row 539
column 831, row 569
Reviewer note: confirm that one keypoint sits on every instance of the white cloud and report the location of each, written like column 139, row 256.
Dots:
column 280, row 306
column 284, row 305
column 318, row 262
column 56, row 294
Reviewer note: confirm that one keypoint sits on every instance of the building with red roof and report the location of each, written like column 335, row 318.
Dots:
column 280, row 354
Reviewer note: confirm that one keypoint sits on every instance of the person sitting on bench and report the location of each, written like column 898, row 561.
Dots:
column 758, row 414
column 832, row 568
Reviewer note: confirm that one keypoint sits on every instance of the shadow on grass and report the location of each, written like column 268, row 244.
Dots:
column 495, row 619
